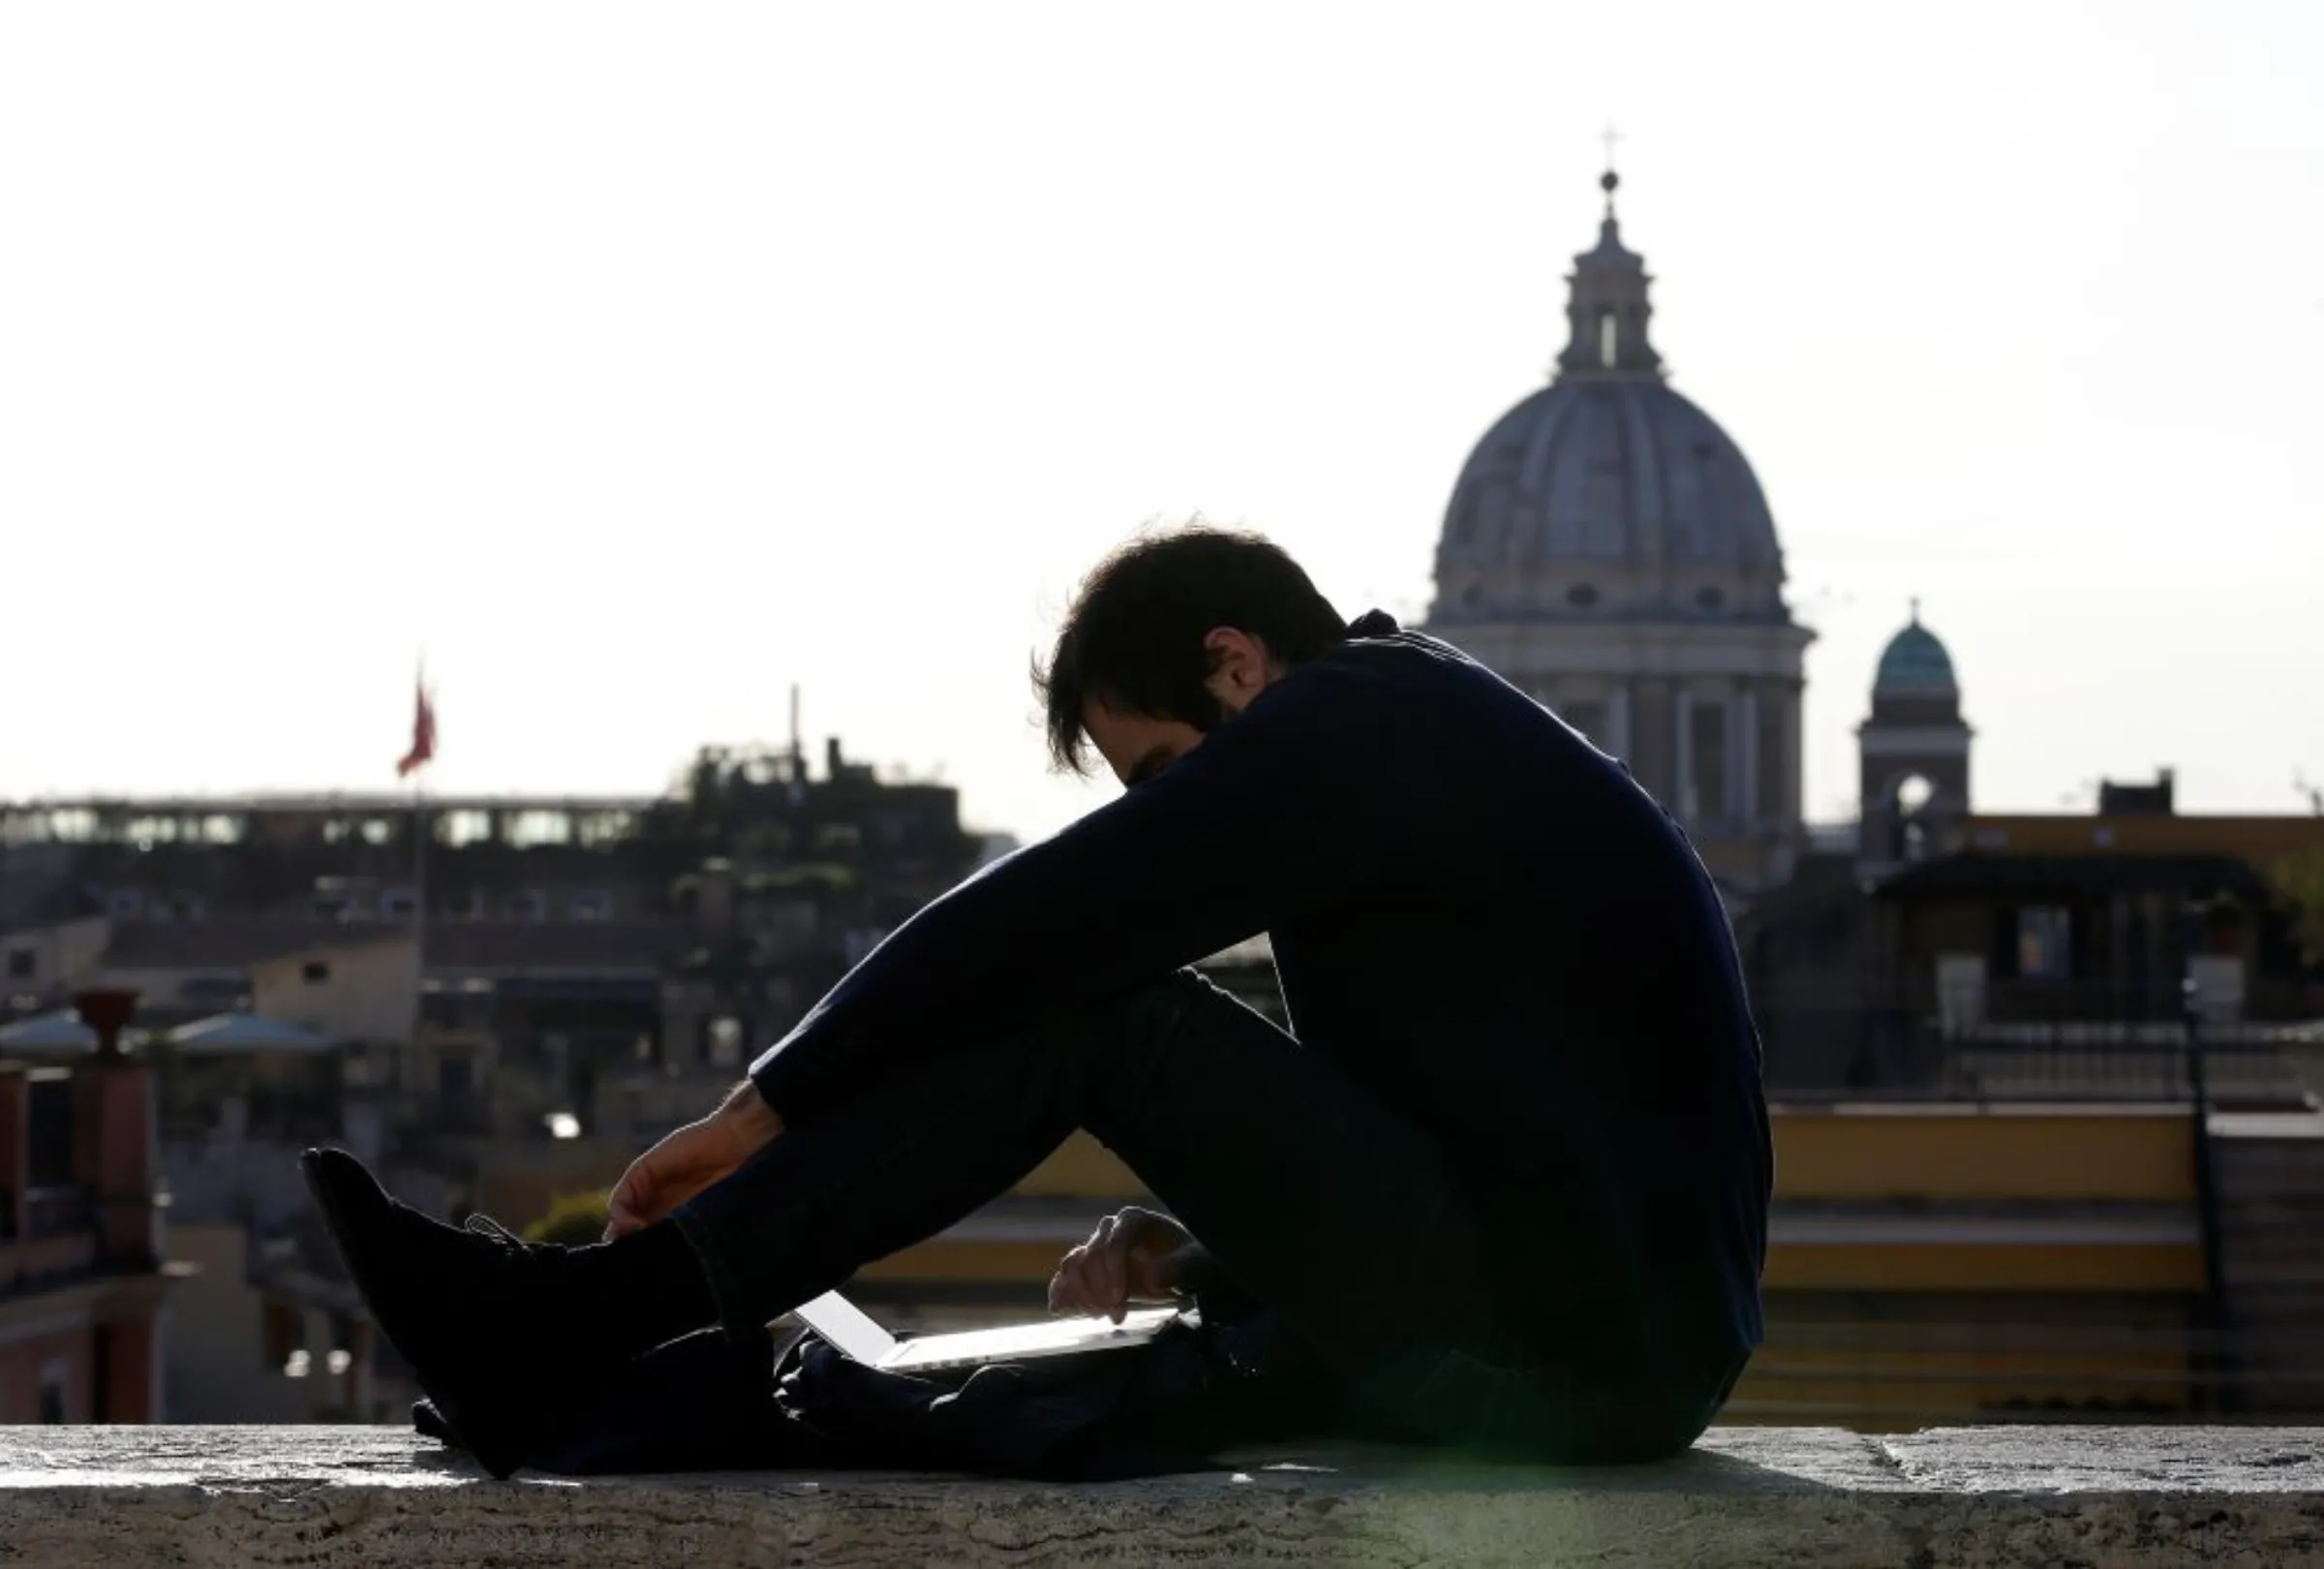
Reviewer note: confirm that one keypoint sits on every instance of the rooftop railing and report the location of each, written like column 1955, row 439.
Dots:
column 2088, row 1045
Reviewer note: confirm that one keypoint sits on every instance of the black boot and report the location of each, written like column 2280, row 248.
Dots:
column 474, row 1309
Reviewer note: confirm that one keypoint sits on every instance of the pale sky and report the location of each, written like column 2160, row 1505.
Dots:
column 640, row 361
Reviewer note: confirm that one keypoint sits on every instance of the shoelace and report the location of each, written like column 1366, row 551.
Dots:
column 484, row 1225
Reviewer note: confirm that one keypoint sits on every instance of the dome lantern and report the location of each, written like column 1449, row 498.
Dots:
column 1607, row 305
column 1608, row 492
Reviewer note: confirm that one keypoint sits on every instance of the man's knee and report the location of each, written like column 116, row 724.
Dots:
column 1119, row 1045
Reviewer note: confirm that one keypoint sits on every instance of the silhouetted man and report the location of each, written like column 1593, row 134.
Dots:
column 1508, row 1175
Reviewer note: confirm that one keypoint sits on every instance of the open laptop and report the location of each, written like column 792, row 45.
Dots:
column 860, row 1339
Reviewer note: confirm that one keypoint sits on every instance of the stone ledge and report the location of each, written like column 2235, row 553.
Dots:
column 381, row 1499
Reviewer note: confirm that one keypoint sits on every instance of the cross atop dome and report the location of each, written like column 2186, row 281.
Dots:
column 1610, row 181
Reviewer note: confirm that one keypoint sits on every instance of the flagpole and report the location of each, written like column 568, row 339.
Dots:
column 420, row 835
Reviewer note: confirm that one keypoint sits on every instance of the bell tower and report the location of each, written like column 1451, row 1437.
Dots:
column 1914, row 751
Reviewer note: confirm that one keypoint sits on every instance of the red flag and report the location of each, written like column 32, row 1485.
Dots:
column 423, row 735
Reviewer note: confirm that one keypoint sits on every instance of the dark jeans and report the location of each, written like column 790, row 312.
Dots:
column 1311, row 1195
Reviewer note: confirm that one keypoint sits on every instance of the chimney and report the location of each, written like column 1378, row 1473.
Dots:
column 113, row 1153
column 832, row 760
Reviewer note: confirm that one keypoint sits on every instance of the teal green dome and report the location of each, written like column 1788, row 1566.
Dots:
column 1913, row 662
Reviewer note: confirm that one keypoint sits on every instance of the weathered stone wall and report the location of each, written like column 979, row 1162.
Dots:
column 380, row 1499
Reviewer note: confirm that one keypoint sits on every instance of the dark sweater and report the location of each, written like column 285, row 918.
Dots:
column 1474, row 913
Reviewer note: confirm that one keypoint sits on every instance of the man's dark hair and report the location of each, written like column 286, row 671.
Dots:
column 1133, row 637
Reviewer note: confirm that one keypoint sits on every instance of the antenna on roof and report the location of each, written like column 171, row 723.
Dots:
column 798, row 788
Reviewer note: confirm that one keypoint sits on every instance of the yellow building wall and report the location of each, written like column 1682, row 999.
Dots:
column 370, row 990
column 2130, row 1155
column 1965, row 1152
column 1923, row 1157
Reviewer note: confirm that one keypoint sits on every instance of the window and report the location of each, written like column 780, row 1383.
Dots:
column 530, row 905
column 1610, row 337
column 596, row 905
column 540, row 826
column 466, row 827
column 398, row 904
column 48, row 1129
column 1581, row 596
column 725, row 1040
column 1709, row 598
column 125, row 903
column 2045, row 943
column 56, row 1383
column 23, row 964
column 455, row 1075
column 315, row 972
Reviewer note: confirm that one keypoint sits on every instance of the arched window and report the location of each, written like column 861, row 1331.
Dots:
column 1908, row 837
column 1609, row 337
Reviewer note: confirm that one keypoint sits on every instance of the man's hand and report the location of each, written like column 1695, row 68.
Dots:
column 1133, row 1256
column 689, row 1160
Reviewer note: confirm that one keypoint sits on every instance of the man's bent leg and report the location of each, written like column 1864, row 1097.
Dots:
column 1322, row 1203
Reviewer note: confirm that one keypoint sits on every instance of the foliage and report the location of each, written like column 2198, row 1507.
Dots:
column 573, row 1219
column 2300, row 883
column 812, row 873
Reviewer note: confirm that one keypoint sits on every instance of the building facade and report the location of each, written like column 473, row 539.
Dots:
column 1608, row 550
column 81, row 1281
column 1912, row 752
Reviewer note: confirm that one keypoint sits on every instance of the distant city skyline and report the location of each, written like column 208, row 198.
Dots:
column 635, row 368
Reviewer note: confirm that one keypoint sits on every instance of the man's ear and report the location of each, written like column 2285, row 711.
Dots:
column 1240, row 667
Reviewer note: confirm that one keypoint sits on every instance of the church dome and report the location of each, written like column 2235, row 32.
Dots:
column 1915, row 664
column 1607, row 490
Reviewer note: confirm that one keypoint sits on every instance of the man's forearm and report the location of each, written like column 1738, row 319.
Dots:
column 746, row 1111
